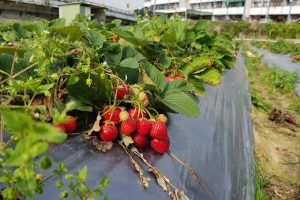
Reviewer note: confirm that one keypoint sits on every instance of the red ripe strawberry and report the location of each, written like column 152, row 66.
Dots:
column 136, row 114
column 121, row 90
column 158, row 130
column 170, row 78
column 71, row 125
column 160, row 146
column 128, row 126
column 140, row 141
column 61, row 127
column 179, row 76
column 111, row 113
column 108, row 132
column 143, row 126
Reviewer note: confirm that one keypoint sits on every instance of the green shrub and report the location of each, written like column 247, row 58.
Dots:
column 283, row 79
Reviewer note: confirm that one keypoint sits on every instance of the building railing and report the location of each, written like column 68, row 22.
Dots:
column 55, row 2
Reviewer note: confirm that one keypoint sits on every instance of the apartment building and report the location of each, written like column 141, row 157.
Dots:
column 252, row 10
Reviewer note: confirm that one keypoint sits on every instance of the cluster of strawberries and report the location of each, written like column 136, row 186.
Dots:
column 134, row 123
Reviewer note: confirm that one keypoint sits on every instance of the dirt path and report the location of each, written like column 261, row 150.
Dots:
column 278, row 141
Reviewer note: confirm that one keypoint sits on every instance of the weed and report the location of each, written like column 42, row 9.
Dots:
column 258, row 102
column 260, row 183
column 283, row 79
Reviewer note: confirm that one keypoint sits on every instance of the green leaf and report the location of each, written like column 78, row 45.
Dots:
column 154, row 74
column 73, row 79
column 26, row 183
column 37, row 130
column 181, row 103
column 11, row 50
column 130, row 63
column 98, row 192
column 25, row 151
column 42, row 89
column 129, row 52
column 211, row 76
column 177, row 84
column 8, row 193
column 74, row 32
column 196, row 64
column 45, row 163
column 130, row 37
column 20, row 31
column 95, row 37
column 6, row 62
column 82, row 174
column 104, row 181
column 197, row 85
column 96, row 95
column 10, row 119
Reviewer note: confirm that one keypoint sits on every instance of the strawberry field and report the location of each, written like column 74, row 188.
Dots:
column 113, row 86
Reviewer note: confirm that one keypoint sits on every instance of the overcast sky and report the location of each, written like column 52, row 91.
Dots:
column 121, row 4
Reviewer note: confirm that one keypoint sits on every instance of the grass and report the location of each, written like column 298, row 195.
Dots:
column 260, row 183
column 277, row 146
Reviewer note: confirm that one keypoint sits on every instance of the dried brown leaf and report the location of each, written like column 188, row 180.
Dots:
column 99, row 145
column 127, row 140
column 140, row 155
column 161, row 179
column 144, row 179
column 96, row 127
column 178, row 195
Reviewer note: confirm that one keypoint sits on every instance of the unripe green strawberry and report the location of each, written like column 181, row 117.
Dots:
column 142, row 96
column 162, row 117
column 123, row 115
column 54, row 76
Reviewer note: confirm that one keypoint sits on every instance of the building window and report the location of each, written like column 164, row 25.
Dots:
column 206, row 5
column 296, row 2
column 275, row 3
column 260, row 3
column 219, row 5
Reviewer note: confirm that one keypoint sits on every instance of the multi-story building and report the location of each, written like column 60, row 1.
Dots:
column 49, row 9
column 260, row 10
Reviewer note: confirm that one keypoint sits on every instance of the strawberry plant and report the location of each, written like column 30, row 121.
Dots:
column 281, row 47
column 128, row 77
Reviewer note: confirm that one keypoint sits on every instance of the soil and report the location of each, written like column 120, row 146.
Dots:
column 278, row 153
column 276, row 132
column 277, row 139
